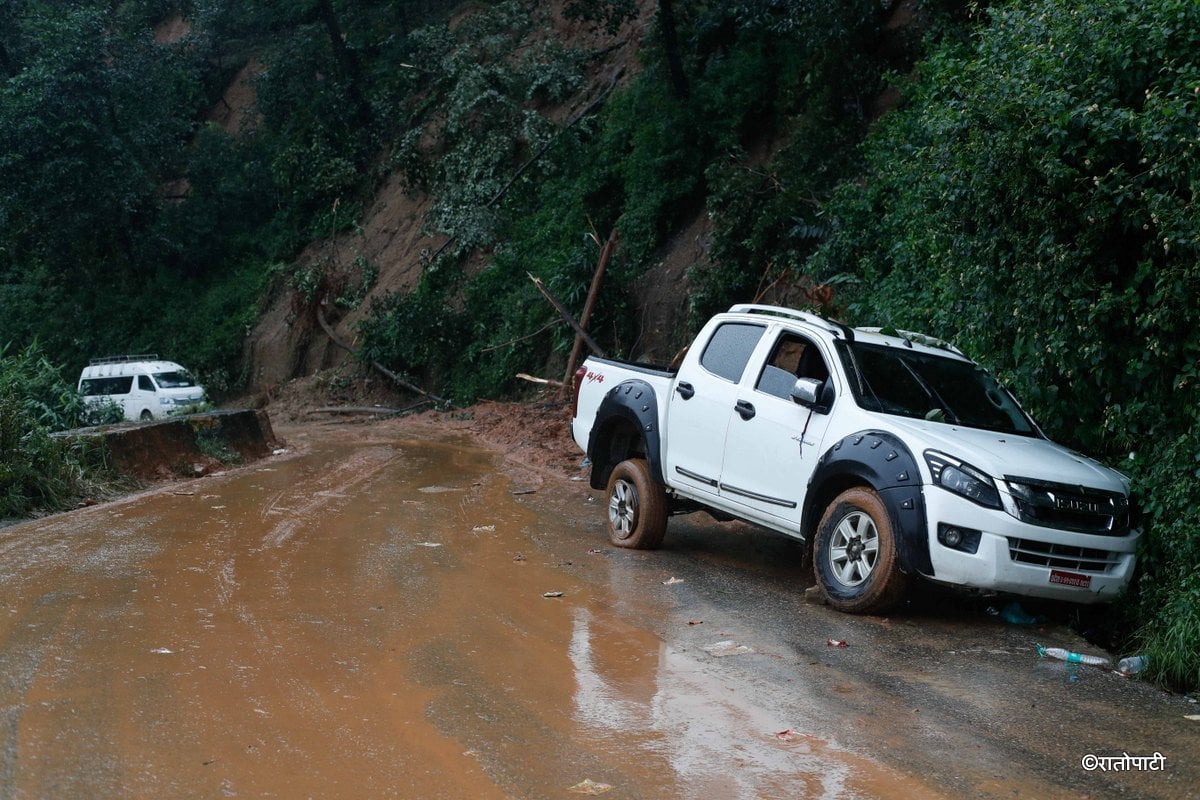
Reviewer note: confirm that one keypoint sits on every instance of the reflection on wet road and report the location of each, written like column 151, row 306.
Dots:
column 369, row 620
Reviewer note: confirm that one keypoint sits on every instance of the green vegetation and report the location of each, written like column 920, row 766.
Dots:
column 1032, row 198
column 644, row 165
column 1035, row 202
column 37, row 470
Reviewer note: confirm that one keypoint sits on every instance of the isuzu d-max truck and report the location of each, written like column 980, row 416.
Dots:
column 894, row 456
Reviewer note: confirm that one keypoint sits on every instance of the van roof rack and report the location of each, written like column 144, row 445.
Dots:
column 836, row 328
column 123, row 359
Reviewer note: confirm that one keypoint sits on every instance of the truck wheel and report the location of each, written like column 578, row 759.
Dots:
column 854, row 557
column 637, row 506
column 146, row 415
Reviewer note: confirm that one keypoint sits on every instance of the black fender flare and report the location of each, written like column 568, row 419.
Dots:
column 632, row 401
column 883, row 462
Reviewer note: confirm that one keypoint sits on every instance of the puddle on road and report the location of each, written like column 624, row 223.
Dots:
column 289, row 631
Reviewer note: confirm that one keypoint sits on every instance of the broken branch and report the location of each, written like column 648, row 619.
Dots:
column 566, row 315
column 544, row 381
column 412, row 387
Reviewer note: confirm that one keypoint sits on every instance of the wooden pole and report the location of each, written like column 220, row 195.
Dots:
column 605, row 254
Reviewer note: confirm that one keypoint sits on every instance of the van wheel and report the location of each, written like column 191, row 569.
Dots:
column 637, row 506
column 146, row 415
column 854, row 556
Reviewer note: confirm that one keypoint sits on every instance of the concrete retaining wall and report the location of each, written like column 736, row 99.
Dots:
column 187, row 446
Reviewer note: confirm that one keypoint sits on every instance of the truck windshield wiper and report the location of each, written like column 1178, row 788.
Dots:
column 864, row 385
column 930, row 392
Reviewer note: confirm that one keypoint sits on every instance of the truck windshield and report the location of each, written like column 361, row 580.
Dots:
column 173, row 380
column 914, row 384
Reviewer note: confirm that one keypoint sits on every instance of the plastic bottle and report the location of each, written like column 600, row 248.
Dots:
column 1070, row 657
column 1131, row 665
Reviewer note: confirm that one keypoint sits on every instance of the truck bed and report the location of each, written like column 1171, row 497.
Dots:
column 605, row 373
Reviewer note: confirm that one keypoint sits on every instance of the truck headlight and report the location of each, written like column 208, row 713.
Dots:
column 963, row 479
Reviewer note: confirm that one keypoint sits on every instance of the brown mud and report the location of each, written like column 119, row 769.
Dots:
column 366, row 616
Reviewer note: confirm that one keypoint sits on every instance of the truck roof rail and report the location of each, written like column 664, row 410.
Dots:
column 912, row 337
column 123, row 359
column 836, row 328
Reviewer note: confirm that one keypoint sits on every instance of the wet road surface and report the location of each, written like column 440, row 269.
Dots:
column 366, row 618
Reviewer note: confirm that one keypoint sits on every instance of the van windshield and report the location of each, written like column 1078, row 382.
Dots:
column 173, row 380
column 913, row 384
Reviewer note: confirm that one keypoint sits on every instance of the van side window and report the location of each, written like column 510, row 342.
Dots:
column 145, row 384
column 729, row 349
column 93, row 387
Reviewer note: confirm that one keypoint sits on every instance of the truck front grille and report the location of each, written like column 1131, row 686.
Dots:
column 1072, row 508
column 1062, row 556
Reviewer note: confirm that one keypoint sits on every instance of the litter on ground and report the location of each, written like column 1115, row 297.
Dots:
column 589, row 786
column 790, row 734
column 727, row 648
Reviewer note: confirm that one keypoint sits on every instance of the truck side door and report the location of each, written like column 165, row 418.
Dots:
column 773, row 443
column 701, row 403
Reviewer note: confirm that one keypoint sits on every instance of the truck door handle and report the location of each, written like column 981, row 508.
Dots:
column 745, row 409
column 685, row 389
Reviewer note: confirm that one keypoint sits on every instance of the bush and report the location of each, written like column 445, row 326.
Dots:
column 38, row 471
column 1034, row 202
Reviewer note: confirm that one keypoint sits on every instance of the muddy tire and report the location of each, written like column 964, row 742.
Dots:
column 146, row 415
column 637, row 507
column 854, row 555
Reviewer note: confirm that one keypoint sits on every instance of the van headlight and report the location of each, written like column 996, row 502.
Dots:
column 963, row 479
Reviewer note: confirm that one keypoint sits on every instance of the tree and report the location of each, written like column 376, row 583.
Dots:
column 668, row 30
column 346, row 60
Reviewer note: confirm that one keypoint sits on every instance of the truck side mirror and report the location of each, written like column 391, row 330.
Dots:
column 814, row 394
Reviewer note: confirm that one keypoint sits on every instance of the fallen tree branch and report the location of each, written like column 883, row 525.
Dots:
column 566, row 314
column 542, row 329
column 543, row 381
column 412, row 387
column 368, row 409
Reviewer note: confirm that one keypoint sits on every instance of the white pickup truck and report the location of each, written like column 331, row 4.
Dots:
column 893, row 456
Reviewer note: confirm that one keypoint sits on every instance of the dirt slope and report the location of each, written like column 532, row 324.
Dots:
column 288, row 343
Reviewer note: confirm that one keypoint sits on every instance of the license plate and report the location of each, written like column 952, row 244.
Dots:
column 1070, row 579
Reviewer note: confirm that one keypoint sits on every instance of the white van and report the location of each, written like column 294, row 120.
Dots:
column 144, row 386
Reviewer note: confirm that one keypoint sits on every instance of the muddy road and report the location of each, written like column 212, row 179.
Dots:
column 365, row 617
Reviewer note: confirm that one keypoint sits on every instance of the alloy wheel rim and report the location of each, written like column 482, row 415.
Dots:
column 623, row 509
column 854, row 549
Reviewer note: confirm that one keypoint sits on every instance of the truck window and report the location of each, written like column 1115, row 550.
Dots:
column 145, row 384
column 793, row 357
column 729, row 349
